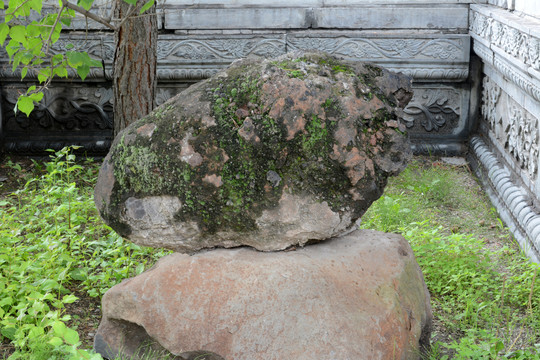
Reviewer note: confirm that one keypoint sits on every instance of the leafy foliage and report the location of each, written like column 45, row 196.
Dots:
column 29, row 46
column 28, row 36
column 52, row 239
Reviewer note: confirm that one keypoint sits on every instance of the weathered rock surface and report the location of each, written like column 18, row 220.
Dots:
column 361, row 296
column 267, row 153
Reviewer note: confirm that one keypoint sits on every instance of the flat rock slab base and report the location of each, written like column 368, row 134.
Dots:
column 361, row 296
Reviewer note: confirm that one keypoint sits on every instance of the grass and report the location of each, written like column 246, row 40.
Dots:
column 484, row 292
column 57, row 258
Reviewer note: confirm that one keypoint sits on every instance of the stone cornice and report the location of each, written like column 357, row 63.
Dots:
column 507, row 48
column 524, row 81
column 507, row 33
column 424, row 57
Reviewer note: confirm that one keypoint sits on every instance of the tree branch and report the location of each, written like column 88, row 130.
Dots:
column 86, row 13
column 130, row 12
column 53, row 27
column 17, row 8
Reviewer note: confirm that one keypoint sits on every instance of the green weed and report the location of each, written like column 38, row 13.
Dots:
column 52, row 240
column 486, row 297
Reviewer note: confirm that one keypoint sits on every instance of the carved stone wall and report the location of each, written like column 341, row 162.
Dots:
column 425, row 39
column 509, row 45
column 512, row 128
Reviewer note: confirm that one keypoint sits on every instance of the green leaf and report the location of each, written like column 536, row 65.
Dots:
column 22, row 9
column 71, row 336
column 26, row 57
column 68, row 299
column 131, row 2
column 4, row 31
column 139, row 269
column 59, row 328
column 9, row 332
column 35, row 45
column 87, row 4
column 95, row 63
column 61, row 72
column 18, row 33
column 67, row 17
column 16, row 61
column 146, row 6
column 1, row 4
column 6, row 301
column 57, row 59
column 56, row 33
column 44, row 74
column 36, row 332
column 83, row 71
column 25, row 104
column 96, row 357
column 65, row 20
column 56, row 341
column 33, row 30
column 36, row 5
column 37, row 98
column 74, row 58
column 48, row 284
column 12, row 47
column 78, row 274
column 499, row 346
column 24, row 71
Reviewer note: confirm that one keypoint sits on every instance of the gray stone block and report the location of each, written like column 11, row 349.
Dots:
column 237, row 18
column 393, row 17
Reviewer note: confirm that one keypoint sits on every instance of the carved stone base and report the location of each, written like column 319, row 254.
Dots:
column 517, row 207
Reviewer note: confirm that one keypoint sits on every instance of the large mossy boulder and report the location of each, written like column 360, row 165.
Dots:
column 267, row 153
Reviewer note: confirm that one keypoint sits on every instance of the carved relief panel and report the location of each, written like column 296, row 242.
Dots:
column 85, row 109
column 68, row 114
column 514, row 128
column 437, row 110
column 520, row 45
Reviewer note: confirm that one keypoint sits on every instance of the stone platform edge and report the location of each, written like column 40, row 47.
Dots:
column 514, row 204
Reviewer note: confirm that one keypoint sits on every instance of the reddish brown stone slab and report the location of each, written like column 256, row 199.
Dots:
column 358, row 297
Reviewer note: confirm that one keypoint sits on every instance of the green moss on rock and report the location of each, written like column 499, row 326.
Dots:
column 229, row 148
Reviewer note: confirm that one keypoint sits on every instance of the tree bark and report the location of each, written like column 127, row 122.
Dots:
column 135, row 64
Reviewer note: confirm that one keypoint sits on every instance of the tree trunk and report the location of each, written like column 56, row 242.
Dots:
column 135, row 63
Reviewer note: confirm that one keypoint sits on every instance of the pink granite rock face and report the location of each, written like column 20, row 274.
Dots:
column 267, row 153
column 361, row 296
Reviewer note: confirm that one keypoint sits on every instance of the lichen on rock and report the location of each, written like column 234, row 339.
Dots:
column 267, row 153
